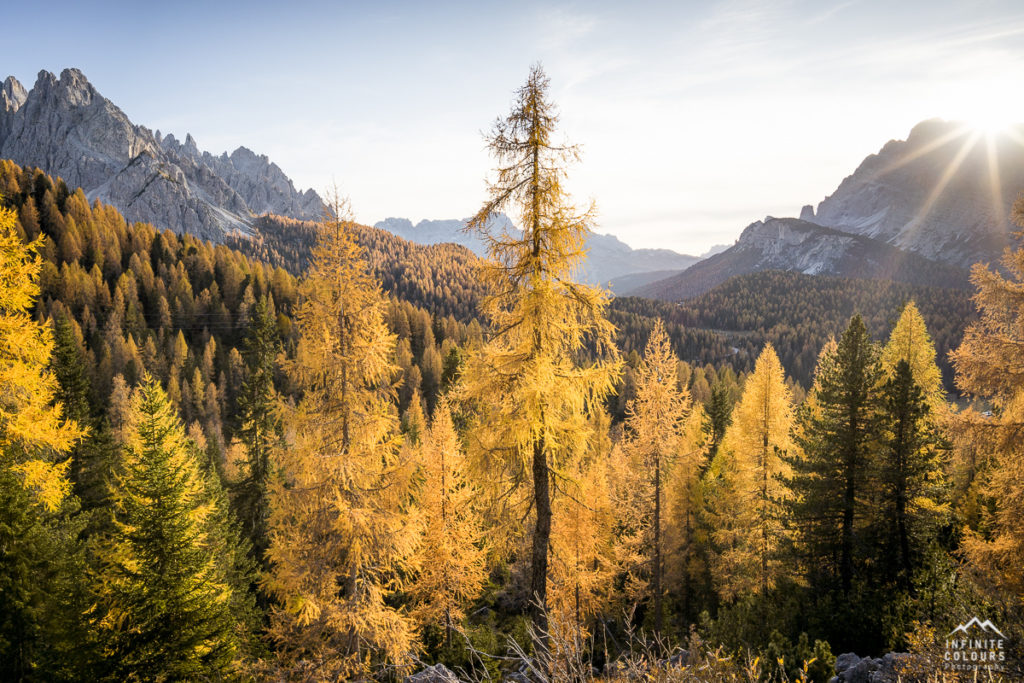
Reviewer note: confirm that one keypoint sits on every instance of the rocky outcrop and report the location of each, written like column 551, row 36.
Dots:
column 795, row 245
column 946, row 193
column 438, row 673
column 67, row 128
column 608, row 258
column 853, row 669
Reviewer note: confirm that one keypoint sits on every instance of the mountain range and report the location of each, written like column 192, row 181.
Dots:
column 67, row 128
column 921, row 210
column 797, row 245
column 608, row 258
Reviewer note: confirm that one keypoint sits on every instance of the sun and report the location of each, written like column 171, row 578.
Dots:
column 989, row 106
column 994, row 120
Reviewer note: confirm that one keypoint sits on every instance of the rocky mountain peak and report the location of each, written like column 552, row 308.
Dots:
column 67, row 128
column 946, row 193
column 12, row 94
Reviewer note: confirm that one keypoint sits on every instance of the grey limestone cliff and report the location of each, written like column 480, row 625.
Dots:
column 68, row 129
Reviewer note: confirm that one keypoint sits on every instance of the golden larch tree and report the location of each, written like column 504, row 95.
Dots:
column 452, row 557
column 655, row 426
column 582, row 548
column 342, row 535
column 684, row 495
column 751, row 464
column 910, row 341
column 989, row 367
column 33, row 431
column 549, row 358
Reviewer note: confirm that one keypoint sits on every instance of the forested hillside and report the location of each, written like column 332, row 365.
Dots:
column 793, row 312
column 440, row 278
column 138, row 300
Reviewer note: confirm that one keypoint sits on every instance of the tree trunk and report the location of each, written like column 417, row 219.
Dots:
column 541, row 540
column 901, row 502
column 658, row 614
column 846, row 547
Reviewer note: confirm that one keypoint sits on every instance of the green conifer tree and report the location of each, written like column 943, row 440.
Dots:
column 837, row 427
column 259, row 426
column 164, row 602
column 909, row 473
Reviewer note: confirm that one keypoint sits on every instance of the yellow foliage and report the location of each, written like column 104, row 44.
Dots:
column 659, row 463
column 582, row 551
column 452, row 559
column 342, row 536
column 990, row 446
column 33, row 431
column 750, row 465
column 911, row 342
column 529, row 384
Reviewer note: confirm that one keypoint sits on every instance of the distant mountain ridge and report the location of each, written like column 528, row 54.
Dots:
column 800, row 246
column 66, row 127
column 921, row 211
column 608, row 258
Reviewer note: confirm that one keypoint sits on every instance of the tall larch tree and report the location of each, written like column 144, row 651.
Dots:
column 988, row 367
column 164, row 601
column 655, row 420
column 341, row 535
column 530, row 381
column 35, row 438
column 452, row 556
column 910, row 341
column 752, row 464
column 34, row 434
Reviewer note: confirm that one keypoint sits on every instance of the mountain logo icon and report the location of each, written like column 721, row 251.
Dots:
column 986, row 627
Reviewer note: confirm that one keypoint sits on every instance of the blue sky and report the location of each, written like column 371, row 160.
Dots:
column 696, row 118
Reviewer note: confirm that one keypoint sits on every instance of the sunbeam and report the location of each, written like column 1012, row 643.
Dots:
column 917, row 153
column 995, row 184
column 947, row 175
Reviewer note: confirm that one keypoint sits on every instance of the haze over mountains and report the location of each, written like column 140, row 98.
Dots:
column 796, row 245
column 608, row 257
column 921, row 210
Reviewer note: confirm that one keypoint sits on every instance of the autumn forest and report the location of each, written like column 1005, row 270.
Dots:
column 320, row 452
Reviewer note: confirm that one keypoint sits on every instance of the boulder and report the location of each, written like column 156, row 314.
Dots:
column 438, row 673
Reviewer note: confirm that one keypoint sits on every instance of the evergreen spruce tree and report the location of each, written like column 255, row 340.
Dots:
column 719, row 413
column 837, row 433
column 532, row 389
column 909, row 474
column 259, row 426
column 164, row 601
column 93, row 457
